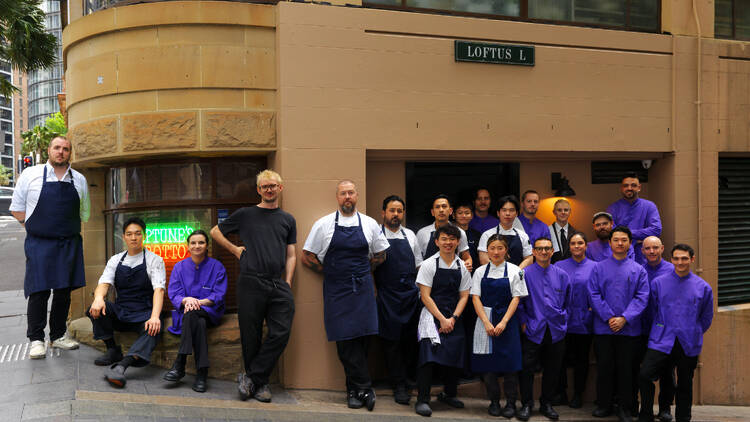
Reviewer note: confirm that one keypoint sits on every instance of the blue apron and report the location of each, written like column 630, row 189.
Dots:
column 135, row 293
column 349, row 308
column 452, row 350
column 506, row 348
column 398, row 294
column 53, row 246
column 432, row 248
column 515, row 247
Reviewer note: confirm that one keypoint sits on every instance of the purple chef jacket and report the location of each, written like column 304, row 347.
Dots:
column 618, row 288
column 580, row 315
column 535, row 230
column 483, row 224
column 599, row 250
column 662, row 268
column 684, row 308
column 547, row 303
column 208, row 281
column 641, row 217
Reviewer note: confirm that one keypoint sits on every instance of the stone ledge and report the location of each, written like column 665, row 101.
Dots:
column 224, row 348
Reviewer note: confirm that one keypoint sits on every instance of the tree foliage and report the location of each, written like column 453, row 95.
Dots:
column 23, row 40
column 4, row 175
column 36, row 141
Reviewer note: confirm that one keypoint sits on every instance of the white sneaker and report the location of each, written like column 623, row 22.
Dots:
column 65, row 343
column 38, row 350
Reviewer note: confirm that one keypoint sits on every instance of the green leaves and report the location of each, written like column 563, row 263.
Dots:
column 36, row 140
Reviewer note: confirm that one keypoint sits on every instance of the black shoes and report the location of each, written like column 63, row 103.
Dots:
column 547, row 410
column 423, row 409
column 245, row 386
column 200, row 385
column 116, row 376
column 525, row 413
column 178, row 370
column 450, row 401
column 509, row 410
column 401, row 395
column 263, row 394
column 664, row 415
column 560, row 399
column 576, row 402
column 109, row 357
column 494, row 408
column 623, row 415
column 368, row 399
column 353, row 400
column 601, row 412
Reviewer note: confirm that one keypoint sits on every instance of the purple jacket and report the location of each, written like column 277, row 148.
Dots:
column 599, row 250
column 683, row 310
column 547, row 303
column 535, row 230
column 580, row 315
column 483, row 224
column 618, row 289
column 641, row 217
column 209, row 281
column 663, row 268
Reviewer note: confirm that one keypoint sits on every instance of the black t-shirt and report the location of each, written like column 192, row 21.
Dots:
column 265, row 234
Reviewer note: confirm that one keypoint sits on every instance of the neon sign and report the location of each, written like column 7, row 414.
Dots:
column 169, row 241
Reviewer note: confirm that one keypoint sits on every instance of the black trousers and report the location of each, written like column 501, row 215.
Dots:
column 259, row 299
column 653, row 365
column 105, row 326
column 510, row 385
column 577, row 356
column 353, row 356
column 401, row 355
column 424, row 380
column 550, row 356
column 193, row 338
column 667, row 384
column 36, row 314
column 615, row 357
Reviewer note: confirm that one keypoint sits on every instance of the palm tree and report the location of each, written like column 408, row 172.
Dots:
column 23, row 40
column 36, row 141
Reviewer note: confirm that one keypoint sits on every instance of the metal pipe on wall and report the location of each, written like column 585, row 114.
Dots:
column 699, row 147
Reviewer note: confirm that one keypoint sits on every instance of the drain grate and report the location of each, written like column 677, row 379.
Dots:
column 20, row 351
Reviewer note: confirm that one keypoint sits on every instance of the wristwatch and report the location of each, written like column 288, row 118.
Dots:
column 454, row 316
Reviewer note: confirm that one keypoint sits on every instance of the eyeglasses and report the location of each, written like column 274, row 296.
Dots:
column 268, row 187
column 543, row 248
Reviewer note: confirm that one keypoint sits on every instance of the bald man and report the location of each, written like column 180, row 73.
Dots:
column 652, row 250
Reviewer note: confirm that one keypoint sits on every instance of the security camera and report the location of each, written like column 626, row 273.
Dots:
column 647, row 163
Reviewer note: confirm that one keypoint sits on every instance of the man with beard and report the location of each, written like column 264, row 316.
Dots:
column 398, row 297
column 51, row 201
column 482, row 220
column 264, row 288
column 639, row 215
column 533, row 227
column 340, row 245
column 442, row 211
column 599, row 249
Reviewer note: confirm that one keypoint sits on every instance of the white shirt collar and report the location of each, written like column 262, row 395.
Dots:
column 51, row 170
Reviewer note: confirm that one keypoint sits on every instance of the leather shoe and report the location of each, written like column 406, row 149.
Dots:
column 353, row 401
column 116, row 376
column 576, row 402
column 109, row 357
column 509, row 410
column 176, row 373
column 547, row 410
column 263, row 394
column 368, row 399
column 623, row 415
column 494, row 408
column 200, row 385
column 245, row 386
column 423, row 409
column 450, row 401
column 601, row 412
column 524, row 413
column 664, row 415
column 401, row 395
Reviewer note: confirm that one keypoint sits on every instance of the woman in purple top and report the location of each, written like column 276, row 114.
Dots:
column 580, row 319
column 196, row 288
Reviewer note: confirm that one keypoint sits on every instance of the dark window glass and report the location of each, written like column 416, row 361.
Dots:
column 237, row 181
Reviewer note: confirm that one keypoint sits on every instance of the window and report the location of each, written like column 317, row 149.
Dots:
column 633, row 15
column 176, row 197
column 734, row 227
column 732, row 19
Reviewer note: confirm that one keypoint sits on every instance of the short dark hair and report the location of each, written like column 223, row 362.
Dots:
column 542, row 238
column 498, row 238
column 508, row 198
column 440, row 196
column 449, row 230
column 197, row 232
column 476, row 191
column 523, row 197
column 134, row 220
column 466, row 204
column 621, row 229
column 391, row 198
column 683, row 247
column 583, row 236
column 631, row 175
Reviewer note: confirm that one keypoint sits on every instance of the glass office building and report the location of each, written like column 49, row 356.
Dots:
column 45, row 84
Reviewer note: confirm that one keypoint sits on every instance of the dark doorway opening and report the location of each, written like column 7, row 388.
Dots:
column 425, row 180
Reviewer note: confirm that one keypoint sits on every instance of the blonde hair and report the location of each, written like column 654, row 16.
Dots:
column 560, row 201
column 269, row 175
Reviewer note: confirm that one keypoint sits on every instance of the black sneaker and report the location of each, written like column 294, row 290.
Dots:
column 109, row 357
column 494, row 408
column 116, row 376
column 353, row 400
column 423, row 409
column 401, row 395
column 450, row 401
column 509, row 410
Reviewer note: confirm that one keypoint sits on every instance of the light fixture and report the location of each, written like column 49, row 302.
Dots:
column 561, row 185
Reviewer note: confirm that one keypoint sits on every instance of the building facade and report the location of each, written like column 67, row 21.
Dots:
column 7, row 153
column 45, row 84
column 172, row 106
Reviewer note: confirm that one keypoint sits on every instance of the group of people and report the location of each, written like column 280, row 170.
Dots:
column 468, row 293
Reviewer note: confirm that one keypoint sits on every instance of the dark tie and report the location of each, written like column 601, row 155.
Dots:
column 564, row 242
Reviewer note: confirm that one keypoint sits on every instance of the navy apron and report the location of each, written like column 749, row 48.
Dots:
column 506, row 348
column 53, row 246
column 349, row 308
column 432, row 248
column 398, row 294
column 515, row 247
column 452, row 349
column 135, row 293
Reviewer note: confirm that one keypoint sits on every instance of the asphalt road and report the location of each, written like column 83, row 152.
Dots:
column 12, row 259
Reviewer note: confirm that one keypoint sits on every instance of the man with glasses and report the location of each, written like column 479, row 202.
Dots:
column 264, row 288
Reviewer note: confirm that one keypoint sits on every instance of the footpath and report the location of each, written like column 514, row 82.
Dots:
column 67, row 386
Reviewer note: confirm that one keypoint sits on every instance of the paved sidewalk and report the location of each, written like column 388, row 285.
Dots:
column 67, row 386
